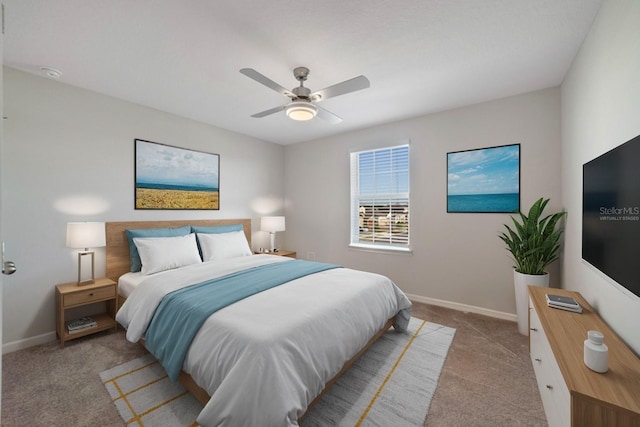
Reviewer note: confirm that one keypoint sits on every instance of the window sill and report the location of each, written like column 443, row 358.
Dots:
column 380, row 249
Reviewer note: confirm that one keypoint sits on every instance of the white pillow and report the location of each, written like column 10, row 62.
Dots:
column 223, row 245
column 165, row 253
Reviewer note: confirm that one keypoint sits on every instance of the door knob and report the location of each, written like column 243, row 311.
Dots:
column 8, row 267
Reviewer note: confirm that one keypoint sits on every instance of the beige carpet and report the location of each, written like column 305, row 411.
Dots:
column 487, row 379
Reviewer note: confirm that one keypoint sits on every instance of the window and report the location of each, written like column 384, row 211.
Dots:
column 380, row 198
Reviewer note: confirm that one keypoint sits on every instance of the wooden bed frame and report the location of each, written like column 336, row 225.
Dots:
column 118, row 263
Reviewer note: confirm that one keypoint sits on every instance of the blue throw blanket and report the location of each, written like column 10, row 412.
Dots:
column 181, row 313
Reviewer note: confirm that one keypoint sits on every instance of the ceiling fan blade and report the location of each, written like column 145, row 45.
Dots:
column 253, row 74
column 328, row 116
column 347, row 86
column 267, row 112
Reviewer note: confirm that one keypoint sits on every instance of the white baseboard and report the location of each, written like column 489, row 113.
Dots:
column 463, row 307
column 28, row 342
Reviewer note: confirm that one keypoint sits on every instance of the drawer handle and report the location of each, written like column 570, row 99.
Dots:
column 91, row 294
column 537, row 359
column 549, row 387
column 534, row 329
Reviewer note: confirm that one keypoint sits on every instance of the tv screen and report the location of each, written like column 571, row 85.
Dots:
column 611, row 214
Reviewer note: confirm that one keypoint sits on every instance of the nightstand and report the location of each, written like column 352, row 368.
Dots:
column 70, row 295
column 290, row 254
column 282, row 252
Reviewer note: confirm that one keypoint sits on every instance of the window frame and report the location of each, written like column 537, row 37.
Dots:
column 355, row 201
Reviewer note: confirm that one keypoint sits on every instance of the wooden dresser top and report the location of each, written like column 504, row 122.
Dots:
column 566, row 332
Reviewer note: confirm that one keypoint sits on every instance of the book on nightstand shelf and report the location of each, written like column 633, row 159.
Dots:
column 563, row 303
column 81, row 324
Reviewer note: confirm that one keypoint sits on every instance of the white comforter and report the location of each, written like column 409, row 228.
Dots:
column 265, row 358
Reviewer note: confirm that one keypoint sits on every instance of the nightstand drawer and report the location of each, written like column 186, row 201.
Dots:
column 89, row 295
column 290, row 254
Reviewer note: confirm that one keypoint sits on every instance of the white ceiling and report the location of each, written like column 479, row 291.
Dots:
column 183, row 57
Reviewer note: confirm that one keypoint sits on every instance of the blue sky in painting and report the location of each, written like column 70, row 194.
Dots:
column 487, row 171
column 163, row 164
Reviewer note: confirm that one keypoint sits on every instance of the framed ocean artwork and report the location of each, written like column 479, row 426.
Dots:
column 168, row 177
column 484, row 180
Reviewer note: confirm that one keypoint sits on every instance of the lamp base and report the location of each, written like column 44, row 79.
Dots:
column 93, row 263
column 272, row 248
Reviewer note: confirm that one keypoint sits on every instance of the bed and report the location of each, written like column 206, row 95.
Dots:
column 267, row 358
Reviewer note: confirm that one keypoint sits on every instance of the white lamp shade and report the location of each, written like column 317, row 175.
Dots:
column 85, row 235
column 272, row 223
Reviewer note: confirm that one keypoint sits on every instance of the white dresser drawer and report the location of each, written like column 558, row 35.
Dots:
column 553, row 390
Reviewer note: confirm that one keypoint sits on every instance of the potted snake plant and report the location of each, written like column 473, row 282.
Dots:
column 534, row 243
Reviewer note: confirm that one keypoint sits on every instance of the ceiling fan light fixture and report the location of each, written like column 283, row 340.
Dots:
column 301, row 111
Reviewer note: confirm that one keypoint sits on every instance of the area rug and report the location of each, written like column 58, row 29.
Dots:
column 392, row 384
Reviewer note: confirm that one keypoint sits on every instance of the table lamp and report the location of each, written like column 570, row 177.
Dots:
column 272, row 224
column 85, row 235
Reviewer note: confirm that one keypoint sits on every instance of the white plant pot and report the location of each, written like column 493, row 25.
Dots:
column 521, row 283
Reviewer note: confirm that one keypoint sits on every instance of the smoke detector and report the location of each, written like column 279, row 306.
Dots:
column 52, row 73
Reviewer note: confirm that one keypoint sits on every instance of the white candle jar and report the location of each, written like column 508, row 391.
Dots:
column 596, row 353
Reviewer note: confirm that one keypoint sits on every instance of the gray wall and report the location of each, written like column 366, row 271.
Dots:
column 457, row 259
column 601, row 110
column 68, row 156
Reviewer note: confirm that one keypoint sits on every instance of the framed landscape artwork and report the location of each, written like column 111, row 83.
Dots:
column 484, row 180
column 168, row 177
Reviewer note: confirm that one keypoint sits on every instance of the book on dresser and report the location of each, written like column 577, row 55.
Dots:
column 81, row 324
column 563, row 303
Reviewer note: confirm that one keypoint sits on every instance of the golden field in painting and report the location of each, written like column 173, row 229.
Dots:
column 147, row 198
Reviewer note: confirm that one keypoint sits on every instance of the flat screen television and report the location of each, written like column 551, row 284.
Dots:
column 611, row 214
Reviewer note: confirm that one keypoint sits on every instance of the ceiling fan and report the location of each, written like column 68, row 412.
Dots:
column 302, row 106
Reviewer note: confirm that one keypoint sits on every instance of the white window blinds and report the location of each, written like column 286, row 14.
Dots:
column 380, row 198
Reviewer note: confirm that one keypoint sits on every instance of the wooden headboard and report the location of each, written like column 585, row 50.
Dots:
column 118, row 262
